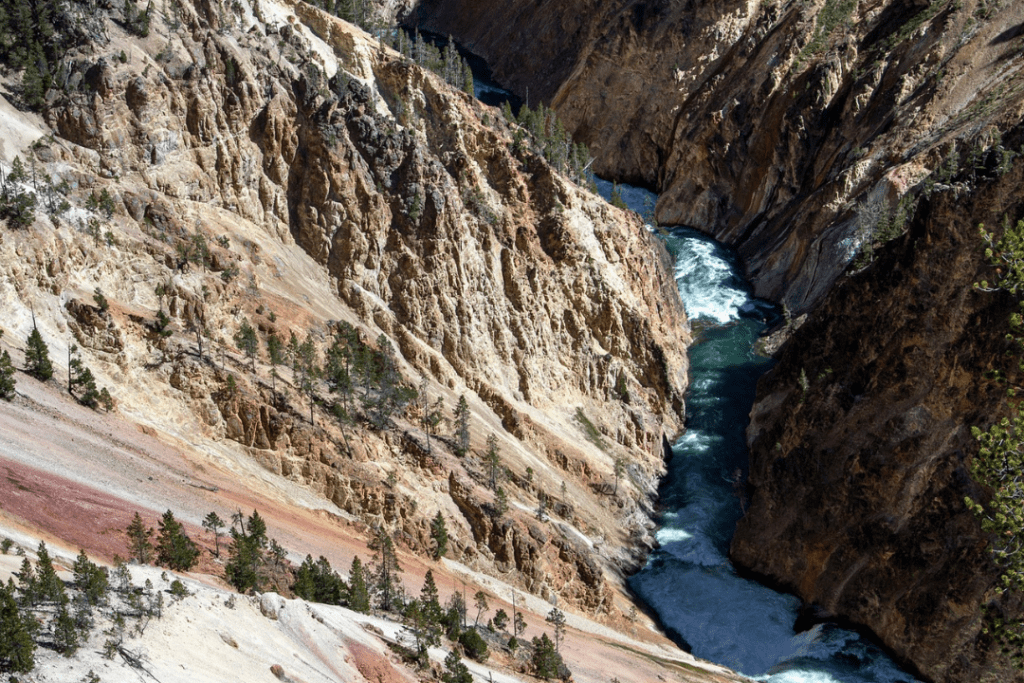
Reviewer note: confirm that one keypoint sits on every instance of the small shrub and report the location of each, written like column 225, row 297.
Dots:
column 473, row 644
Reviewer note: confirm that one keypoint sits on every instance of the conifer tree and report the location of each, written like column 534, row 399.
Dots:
column 500, row 502
column 243, row 569
column 439, row 534
column 7, row 381
column 28, row 585
column 307, row 370
column 460, row 419
column 493, row 460
column 276, row 355
column 387, row 394
column 358, row 594
column 48, row 585
column 430, row 600
column 174, row 549
column 385, row 571
column 500, row 620
column 547, row 663
column 318, row 582
column 140, row 548
column 455, row 615
column 248, row 342
column 17, row 648
column 454, row 670
column 481, row 604
column 432, row 417
column 32, row 87
column 37, row 355
column 90, row 580
column 213, row 523
column 424, row 633
column 81, row 377
column 65, row 630
column 557, row 619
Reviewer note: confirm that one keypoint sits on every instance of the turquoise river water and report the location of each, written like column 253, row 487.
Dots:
column 689, row 582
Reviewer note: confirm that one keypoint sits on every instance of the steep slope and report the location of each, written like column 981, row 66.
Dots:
column 766, row 124
column 269, row 163
column 809, row 135
column 860, row 441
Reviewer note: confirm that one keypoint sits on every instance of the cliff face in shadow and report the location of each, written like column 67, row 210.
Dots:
column 767, row 124
column 860, row 442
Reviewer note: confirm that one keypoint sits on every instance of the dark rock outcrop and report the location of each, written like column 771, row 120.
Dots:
column 858, row 481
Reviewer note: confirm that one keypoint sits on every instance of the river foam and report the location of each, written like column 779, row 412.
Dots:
column 701, row 600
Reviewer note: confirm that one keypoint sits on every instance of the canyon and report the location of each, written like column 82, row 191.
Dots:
column 848, row 151
column 272, row 164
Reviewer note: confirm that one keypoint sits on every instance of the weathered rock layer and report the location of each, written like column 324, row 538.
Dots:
column 271, row 163
column 765, row 124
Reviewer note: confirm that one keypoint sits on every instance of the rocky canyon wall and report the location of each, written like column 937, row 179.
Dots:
column 860, row 442
column 793, row 131
column 767, row 124
column 267, row 162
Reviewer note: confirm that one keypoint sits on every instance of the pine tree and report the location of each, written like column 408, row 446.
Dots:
column 430, row 600
column 37, row 355
column 425, row 634
column 174, row 549
column 439, row 534
column 308, row 371
column 500, row 503
column 454, row 670
column 90, row 580
column 358, row 594
column 385, row 572
column 243, row 569
column 140, row 548
column 387, row 394
column 432, row 418
column 81, row 377
column 7, row 381
column 318, row 582
column 557, row 619
column 618, row 471
column 493, row 460
column 65, row 630
column 28, row 585
column 248, row 342
column 460, row 419
column 455, row 615
column 276, row 355
column 48, row 586
column 547, row 663
column 467, row 80
column 213, row 523
column 518, row 622
column 17, row 648
column 481, row 604
column 474, row 645
column 32, row 88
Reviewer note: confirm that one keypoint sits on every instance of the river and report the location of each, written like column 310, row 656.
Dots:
column 689, row 582
column 702, row 603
